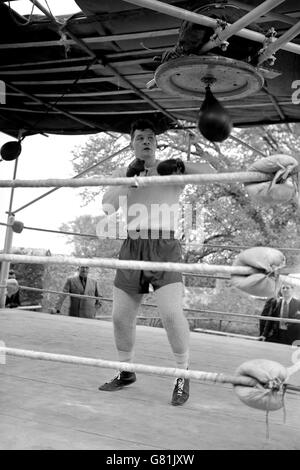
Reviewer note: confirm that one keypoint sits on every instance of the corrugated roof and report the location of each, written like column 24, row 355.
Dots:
column 89, row 73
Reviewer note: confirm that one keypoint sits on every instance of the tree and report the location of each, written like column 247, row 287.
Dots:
column 97, row 153
column 88, row 244
column 229, row 215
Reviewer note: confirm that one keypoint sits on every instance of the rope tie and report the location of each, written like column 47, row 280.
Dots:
column 275, row 385
column 63, row 37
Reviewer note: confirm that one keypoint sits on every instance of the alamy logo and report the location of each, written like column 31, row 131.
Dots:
column 186, row 220
column 2, row 92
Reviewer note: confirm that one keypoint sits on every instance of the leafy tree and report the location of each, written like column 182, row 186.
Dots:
column 90, row 246
column 229, row 216
column 98, row 153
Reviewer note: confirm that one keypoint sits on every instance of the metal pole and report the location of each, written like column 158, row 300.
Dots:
column 44, row 10
column 248, row 18
column 283, row 18
column 196, row 18
column 188, row 156
column 5, row 264
column 13, row 189
column 279, row 43
column 7, row 243
column 249, row 147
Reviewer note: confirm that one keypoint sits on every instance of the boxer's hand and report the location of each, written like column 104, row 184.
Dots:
column 172, row 166
column 135, row 168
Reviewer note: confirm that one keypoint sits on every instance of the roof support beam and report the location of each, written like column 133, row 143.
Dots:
column 246, row 20
column 93, row 40
column 186, row 15
column 279, row 17
column 271, row 104
column 121, row 78
column 52, row 107
column 71, row 69
column 83, row 46
column 43, row 9
column 279, row 43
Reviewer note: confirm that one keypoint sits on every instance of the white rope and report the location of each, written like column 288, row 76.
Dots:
column 142, row 181
column 212, row 312
column 128, row 367
column 128, row 264
column 141, row 265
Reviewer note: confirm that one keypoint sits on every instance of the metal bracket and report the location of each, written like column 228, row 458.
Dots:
column 221, row 25
column 269, row 39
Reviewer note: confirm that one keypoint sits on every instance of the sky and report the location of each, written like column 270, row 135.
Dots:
column 57, row 7
column 42, row 158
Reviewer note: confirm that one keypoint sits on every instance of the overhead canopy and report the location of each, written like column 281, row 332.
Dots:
column 89, row 72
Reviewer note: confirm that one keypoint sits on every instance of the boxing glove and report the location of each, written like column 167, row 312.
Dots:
column 135, row 168
column 170, row 167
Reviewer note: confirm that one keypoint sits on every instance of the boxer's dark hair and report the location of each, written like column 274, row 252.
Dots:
column 141, row 125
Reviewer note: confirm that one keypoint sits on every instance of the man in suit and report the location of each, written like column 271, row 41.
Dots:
column 12, row 299
column 84, row 285
column 284, row 307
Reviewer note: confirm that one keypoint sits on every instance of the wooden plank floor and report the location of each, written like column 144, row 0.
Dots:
column 45, row 405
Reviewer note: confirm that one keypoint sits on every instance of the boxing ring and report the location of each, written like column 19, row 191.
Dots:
column 53, row 365
column 52, row 405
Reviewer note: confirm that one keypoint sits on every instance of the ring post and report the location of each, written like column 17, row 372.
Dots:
column 7, row 243
column 5, row 264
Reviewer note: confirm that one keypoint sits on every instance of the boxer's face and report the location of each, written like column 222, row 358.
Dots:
column 144, row 144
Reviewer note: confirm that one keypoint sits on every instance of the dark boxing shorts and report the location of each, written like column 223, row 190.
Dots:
column 152, row 246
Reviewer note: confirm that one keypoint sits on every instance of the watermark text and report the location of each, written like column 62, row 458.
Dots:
column 296, row 93
column 186, row 220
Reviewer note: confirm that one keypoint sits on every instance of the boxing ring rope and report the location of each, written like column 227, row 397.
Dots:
column 129, row 264
column 214, row 377
column 143, row 181
column 130, row 367
column 174, row 372
column 186, row 309
column 184, row 243
column 60, row 232
column 140, row 265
